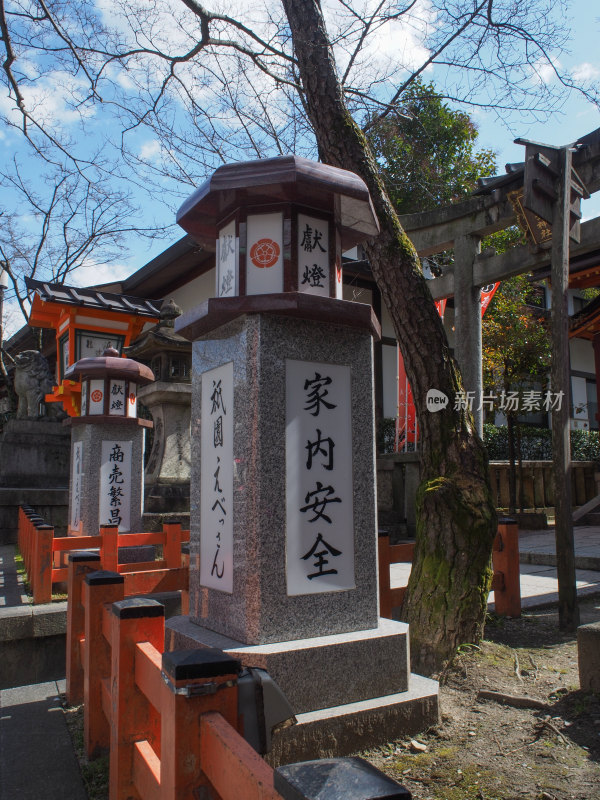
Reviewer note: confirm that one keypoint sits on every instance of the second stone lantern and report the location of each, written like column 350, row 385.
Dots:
column 107, row 444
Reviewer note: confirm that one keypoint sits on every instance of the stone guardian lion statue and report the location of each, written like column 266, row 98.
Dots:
column 33, row 380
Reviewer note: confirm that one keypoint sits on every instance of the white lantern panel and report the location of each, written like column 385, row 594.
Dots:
column 227, row 259
column 264, row 254
column 132, row 401
column 117, row 400
column 96, row 400
column 313, row 255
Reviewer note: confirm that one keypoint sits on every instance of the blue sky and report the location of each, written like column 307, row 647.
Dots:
column 575, row 118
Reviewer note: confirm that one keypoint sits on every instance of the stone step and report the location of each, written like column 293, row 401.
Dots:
column 318, row 672
column 346, row 729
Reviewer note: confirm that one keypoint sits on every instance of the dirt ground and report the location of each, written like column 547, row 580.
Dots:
column 486, row 750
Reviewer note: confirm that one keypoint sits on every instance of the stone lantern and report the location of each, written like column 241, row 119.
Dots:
column 107, row 444
column 283, row 545
column 167, row 475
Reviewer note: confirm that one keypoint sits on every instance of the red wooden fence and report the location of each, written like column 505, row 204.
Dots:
column 42, row 556
column 505, row 560
column 169, row 723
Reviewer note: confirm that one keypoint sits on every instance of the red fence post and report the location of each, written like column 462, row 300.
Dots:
column 29, row 543
column 383, row 552
column 99, row 588
column 80, row 564
column 172, row 545
column 133, row 718
column 109, row 549
column 185, row 593
column 185, row 673
column 505, row 557
column 41, row 570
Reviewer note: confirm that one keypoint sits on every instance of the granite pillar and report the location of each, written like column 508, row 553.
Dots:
column 167, row 474
column 88, row 442
column 259, row 610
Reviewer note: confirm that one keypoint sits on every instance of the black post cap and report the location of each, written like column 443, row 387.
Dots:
column 83, row 555
column 42, row 526
column 507, row 521
column 206, row 662
column 102, row 577
column 336, row 779
column 137, row 607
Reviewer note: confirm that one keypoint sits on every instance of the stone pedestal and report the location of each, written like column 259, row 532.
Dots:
column 35, row 453
column 260, row 609
column 348, row 691
column 167, row 474
column 93, row 445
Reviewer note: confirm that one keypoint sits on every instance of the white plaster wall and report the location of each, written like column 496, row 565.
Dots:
column 387, row 327
column 582, row 355
column 195, row 292
column 357, row 295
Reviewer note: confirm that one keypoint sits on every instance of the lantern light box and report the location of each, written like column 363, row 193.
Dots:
column 279, row 225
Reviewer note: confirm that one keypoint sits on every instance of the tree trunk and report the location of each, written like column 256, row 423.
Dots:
column 512, row 470
column 456, row 520
column 520, row 464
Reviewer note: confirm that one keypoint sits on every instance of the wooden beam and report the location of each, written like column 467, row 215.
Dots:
column 568, row 612
column 490, row 269
column 434, row 231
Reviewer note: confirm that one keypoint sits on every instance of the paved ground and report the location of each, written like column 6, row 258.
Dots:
column 37, row 759
column 11, row 585
column 539, row 585
column 36, row 756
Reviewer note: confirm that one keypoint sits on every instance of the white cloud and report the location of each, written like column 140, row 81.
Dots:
column 93, row 274
column 585, row 72
column 544, row 71
column 150, row 150
column 392, row 47
column 12, row 319
column 55, row 100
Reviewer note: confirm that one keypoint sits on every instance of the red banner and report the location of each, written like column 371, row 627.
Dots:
column 487, row 292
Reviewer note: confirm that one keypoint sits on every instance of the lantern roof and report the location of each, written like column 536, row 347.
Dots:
column 110, row 364
column 161, row 337
column 281, row 179
column 93, row 298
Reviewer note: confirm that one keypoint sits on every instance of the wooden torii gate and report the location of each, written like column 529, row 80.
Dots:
column 550, row 182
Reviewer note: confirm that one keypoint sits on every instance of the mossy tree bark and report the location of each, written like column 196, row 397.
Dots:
column 456, row 520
